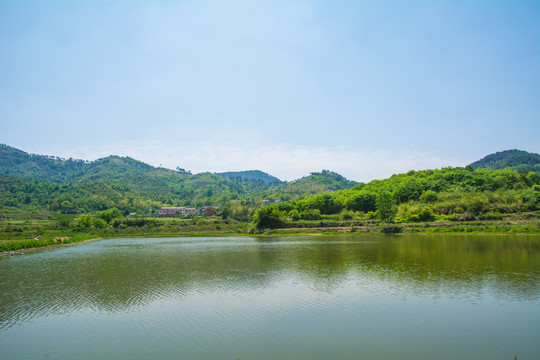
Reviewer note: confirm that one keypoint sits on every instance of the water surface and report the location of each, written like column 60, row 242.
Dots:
column 312, row 297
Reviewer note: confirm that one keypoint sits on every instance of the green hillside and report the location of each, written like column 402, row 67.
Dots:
column 70, row 198
column 315, row 183
column 17, row 163
column 252, row 175
column 452, row 194
column 34, row 182
column 164, row 186
column 77, row 196
column 515, row 159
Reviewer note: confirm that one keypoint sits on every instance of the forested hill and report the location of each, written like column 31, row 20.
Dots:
column 449, row 194
column 316, row 183
column 515, row 159
column 252, row 175
column 47, row 182
column 160, row 185
column 17, row 163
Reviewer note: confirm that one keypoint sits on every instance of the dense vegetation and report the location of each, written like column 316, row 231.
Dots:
column 451, row 194
column 515, row 159
column 164, row 186
column 252, row 175
column 70, row 198
column 46, row 200
column 34, row 183
column 315, row 183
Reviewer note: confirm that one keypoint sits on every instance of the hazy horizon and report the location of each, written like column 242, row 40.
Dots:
column 236, row 170
column 363, row 88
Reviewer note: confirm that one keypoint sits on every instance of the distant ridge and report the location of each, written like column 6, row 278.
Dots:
column 17, row 163
column 315, row 183
column 252, row 175
column 154, row 184
column 30, row 183
column 515, row 159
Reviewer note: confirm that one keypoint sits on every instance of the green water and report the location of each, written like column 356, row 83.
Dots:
column 313, row 297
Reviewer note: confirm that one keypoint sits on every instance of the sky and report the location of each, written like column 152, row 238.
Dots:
column 365, row 88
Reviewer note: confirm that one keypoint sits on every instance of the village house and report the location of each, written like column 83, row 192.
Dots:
column 175, row 211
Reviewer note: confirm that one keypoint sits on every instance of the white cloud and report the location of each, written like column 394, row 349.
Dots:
column 287, row 162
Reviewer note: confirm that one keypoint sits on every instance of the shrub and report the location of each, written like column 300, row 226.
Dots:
column 267, row 217
column 295, row 215
column 84, row 221
column 109, row 215
column 362, row 201
column 99, row 223
column 429, row 196
column 312, row 214
column 419, row 213
column 492, row 215
column 346, row 215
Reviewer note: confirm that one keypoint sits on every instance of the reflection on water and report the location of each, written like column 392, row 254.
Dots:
column 255, row 287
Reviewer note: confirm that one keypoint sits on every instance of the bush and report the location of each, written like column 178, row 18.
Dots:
column 429, row 196
column 347, row 215
column 61, row 221
column 362, row 201
column 133, row 222
column 294, row 215
column 445, row 217
column 312, row 214
column 418, row 213
column 267, row 217
column 492, row 215
column 99, row 223
column 109, row 215
column 84, row 221
column 426, row 214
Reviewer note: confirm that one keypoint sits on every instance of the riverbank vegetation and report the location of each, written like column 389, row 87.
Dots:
column 445, row 195
column 48, row 201
column 18, row 235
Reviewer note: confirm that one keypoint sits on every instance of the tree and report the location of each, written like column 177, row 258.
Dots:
column 410, row 189
column 67, row 207
column 362, row 201
column 225, row 212
column 267, row 217
column 386, row 208
column 62, row 221
column 84, row 221
column 109, row 215
column 429, row 196
column 99, row 223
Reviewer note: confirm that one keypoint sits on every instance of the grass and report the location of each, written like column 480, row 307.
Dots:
column 22, row 234
column 17, row 245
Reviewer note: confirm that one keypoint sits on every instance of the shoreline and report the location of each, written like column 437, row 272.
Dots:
column 40, row 248
column 268, row 233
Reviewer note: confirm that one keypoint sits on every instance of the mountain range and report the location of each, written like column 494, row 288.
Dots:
column 115, row 180
column 173, row 187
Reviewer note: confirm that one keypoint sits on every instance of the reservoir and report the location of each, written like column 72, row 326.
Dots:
column 305, row 297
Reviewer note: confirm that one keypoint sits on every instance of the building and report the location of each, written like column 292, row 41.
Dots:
column 175, row 211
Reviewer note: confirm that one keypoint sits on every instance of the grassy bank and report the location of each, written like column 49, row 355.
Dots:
column 24, row 234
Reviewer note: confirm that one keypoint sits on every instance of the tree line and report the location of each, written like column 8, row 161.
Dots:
column 428, row 195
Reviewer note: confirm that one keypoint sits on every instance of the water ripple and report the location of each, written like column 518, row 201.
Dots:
column 207, row 293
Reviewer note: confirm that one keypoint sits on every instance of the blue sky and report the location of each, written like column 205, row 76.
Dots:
column 365, row 88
